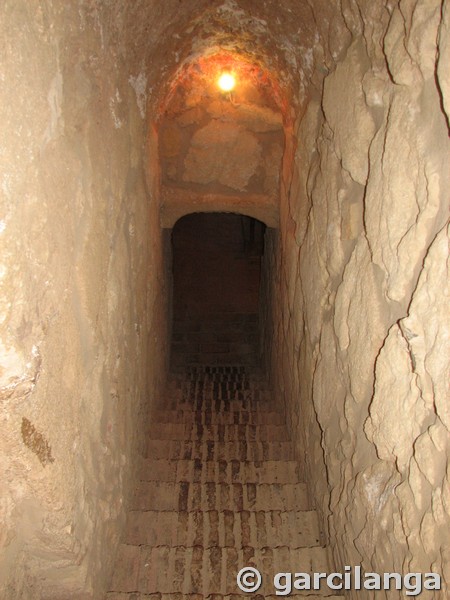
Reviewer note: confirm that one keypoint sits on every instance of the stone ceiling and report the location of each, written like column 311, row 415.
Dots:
column 287, row 38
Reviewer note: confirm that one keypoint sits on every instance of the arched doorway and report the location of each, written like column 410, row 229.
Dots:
column 216, row 284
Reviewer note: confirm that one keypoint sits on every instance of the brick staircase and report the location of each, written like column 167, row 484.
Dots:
column 215, row 339
column 219, row 491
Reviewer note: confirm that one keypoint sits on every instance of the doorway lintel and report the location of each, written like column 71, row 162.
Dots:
column 177, row 202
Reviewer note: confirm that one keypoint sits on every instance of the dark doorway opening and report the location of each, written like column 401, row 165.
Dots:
column 216, row 286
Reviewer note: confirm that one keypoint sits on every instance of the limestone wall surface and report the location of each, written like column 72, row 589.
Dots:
column 82, row 314
column 357, row 289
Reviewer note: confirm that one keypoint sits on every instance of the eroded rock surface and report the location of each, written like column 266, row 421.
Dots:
column 361, row 265
column 222, row 153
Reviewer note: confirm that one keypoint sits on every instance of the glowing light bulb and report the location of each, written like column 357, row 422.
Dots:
column 226, row 82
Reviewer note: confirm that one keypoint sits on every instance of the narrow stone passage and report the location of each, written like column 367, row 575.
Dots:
column 294, row 222
column 218, row 491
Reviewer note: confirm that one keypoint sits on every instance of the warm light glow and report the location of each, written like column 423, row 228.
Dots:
column 226, row 82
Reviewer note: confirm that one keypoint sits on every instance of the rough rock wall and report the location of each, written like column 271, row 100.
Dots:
column 82, row 323
column 357, row 289
column 217, row 147
column 82, row 318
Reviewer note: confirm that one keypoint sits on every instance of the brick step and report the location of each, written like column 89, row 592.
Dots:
column 137, row 596
column 243, row 401
column 237, row 376
column 188, row 570
column 232, row 369
column 222, row 529
column 184, row 496
column 206, row 451
column 225, row 392
column 233, row 471
column 212, row 417
column 218, row 390
column 219, row 433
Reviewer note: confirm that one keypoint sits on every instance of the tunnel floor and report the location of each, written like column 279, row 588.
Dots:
column 219, row 490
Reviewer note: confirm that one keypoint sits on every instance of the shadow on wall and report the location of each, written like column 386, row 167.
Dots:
column 216, row 264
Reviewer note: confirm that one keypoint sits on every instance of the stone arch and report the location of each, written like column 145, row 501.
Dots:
column 222, row 151
column 178, row 204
